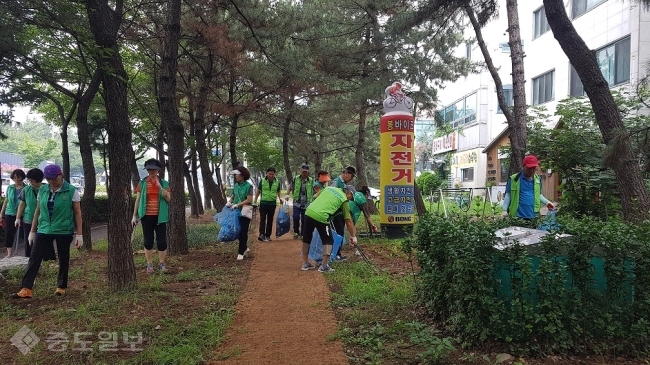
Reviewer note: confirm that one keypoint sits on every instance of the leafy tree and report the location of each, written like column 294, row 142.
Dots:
column 635, row 197
column 429, row 182
column 576, row 151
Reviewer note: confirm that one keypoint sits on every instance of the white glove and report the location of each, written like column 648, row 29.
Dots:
column 353, row 241
column 134, row 221
column 31, row 238
column 79, row 241
column 18, row 221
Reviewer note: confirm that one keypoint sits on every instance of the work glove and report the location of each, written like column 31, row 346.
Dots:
column 281, row 201
column 235, row 206
column 31, row 238
column 550, row 205
column 79, row 241
column 353, row 241
column 18, row 221
column 134, row 221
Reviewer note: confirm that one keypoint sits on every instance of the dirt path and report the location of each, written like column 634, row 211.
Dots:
column 284, row 314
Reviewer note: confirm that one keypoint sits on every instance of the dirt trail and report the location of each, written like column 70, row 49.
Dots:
column 284, row 314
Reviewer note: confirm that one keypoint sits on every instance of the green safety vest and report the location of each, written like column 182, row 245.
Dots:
column 30, row 203
column 355, row 206
column 269, row 191
column 62, row 220
column 515, row 188
column 329, row 201
column 163, row 206
column 11, row 196
column 309, row 188
column 240, row 192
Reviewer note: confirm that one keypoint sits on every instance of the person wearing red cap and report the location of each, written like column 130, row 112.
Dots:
column 524, row 192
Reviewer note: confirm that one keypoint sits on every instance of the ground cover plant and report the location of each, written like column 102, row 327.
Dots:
column 181, row 315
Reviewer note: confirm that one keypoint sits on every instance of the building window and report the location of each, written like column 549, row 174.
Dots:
column 505, row 164
column 614, row 63
column 460, row 113
column 543, row 88
column 468, row 51
column 582, row 6
column 467, row 174
column 541, row 23
column 509, row 95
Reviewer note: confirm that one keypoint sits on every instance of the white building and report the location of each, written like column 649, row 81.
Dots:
column 617, row 30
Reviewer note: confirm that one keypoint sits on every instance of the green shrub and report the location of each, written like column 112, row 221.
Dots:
column 550, row 300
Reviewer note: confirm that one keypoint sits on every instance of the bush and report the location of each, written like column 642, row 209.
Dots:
column 549, row 302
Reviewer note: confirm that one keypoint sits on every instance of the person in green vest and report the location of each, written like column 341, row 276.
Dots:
column 341, row 181
column 152, row 196
column 302, row 190
column 322, row 180
column 319, row 215
column 242, row 195
column 523, row 196
column 358, row 205
column 10, row 207
column 58, row 217
column 269, row 189
column 27, row 206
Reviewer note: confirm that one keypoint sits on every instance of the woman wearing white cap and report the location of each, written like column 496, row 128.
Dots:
column 152, row 198
column 242, row 196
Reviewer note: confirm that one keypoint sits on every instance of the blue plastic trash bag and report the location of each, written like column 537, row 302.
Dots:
column 228, row 219
column 283, row 223
column 316, row 247
column 549, row 223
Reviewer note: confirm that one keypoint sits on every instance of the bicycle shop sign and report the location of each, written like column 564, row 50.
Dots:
column 445, row 143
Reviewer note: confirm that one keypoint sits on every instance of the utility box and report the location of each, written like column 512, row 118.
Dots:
column 531, row 240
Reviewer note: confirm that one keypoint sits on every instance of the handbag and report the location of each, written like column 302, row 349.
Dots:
column 247, row 211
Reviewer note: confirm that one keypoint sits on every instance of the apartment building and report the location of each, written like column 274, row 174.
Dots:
column 617, row 30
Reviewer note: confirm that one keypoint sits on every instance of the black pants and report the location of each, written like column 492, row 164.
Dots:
column 149, row 226
column 267, row 212
column 298, row 219
column 323, row 229
column 244, row 223
column 10, row 229
column 41, row 246
column 26, row 228
column 339, row 227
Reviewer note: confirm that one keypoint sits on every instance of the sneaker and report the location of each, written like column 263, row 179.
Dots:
column 296, row 235
column 59, row 292
column 149, row 268
column 325, row 268
column 341, row 257
column 261, row 237
column 307, row 266
column 267, row 239
column 240, row 257
column 162, row 267
column 22, row 294
column 247, row 251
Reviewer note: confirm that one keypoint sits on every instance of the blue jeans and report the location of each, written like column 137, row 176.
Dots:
column 298, row 219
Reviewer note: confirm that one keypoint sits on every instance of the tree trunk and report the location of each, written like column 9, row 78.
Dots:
column 174, row 130
column 419, row 202
column 104, row 24
column 360, row 148
column 86, row 151
column 518, row 135
column 191, row 192
column 635, row 199
column 233, row 142
column 285, row 147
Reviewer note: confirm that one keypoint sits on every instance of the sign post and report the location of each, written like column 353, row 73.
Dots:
column 397, row 163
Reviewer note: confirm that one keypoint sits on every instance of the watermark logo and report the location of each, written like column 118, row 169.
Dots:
column 25, row 340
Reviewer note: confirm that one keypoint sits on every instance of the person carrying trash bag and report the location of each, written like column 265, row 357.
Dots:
column 241, row 200
column 318, row 217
